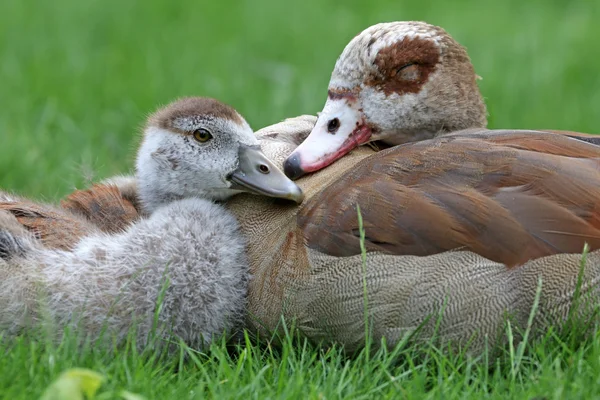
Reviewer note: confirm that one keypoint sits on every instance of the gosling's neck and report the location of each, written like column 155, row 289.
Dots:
column 155, row 192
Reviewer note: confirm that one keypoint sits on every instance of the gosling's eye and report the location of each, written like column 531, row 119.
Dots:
column 202, row 135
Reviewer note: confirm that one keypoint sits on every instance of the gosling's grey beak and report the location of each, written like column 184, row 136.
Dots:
column 257, row 174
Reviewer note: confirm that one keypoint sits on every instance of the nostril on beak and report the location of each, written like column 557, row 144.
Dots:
column 291, row 167
column 264, row 168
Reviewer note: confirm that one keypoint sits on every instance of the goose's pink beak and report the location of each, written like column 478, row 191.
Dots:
column 340, row 128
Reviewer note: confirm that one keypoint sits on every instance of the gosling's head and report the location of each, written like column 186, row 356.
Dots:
column 200, row 147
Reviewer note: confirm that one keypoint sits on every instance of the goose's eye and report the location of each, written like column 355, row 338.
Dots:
column 404, row 67
column 333, row 125
column 202, row 135
column 409, row 72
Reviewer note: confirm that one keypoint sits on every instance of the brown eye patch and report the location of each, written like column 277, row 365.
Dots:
column 404, row 66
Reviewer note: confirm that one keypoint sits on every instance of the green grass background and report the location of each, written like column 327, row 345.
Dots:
column 78, row 77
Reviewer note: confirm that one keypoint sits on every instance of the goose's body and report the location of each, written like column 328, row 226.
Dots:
column 312, row 273
column 175, row 265
column 509, row 196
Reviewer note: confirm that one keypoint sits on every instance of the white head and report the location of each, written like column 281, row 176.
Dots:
column 200, row 147
column 395, row 82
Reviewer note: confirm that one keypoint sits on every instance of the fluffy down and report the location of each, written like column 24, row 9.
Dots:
column 189, row 252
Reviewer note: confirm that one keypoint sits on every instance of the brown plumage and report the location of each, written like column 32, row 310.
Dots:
column 55, row 227
column 104, row 205
column 510, row 196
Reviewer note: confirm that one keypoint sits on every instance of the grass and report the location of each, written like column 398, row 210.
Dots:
column 550, row 368
column 78, row 78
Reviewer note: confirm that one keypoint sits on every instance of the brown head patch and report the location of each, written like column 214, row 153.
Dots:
column 193, row 107
column 405, row 66
column 337, row 94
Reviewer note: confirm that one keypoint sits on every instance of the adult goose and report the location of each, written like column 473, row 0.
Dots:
column 396, row 83
column 187, row 254
column 520, row 199
column 308, row 271
column 508, row 195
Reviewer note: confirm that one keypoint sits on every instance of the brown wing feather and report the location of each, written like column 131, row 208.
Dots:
column 593, row 138
column 54, row 228
column 508, row 195
column 104, row 206
column 569, row 144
